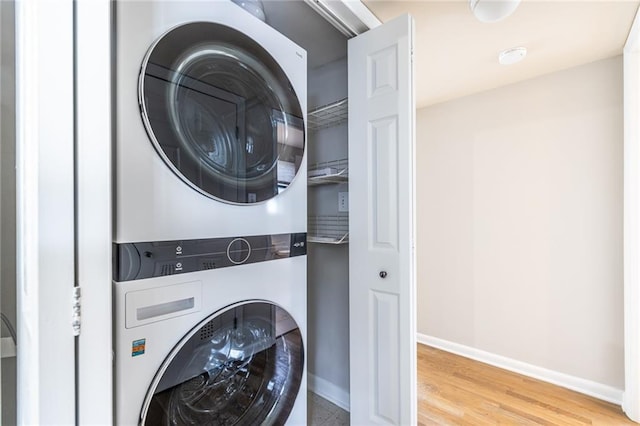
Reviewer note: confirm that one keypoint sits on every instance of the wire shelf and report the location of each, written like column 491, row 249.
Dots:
column 328, row 172
column 328, row 229
column 328, row 115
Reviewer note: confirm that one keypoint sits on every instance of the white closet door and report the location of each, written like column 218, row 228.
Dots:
column 45, row 212
column 381, row 226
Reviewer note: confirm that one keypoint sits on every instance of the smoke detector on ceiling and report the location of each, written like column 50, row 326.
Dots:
column 511, row 56
column 492, row 10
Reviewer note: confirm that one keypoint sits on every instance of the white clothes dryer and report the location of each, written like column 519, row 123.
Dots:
column 218, row 347
column 210, row 134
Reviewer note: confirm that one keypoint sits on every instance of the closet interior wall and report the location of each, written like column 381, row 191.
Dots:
column 328, row 264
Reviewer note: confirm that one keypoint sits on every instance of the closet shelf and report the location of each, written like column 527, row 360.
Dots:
column 328, row 229
column 328, row 115
column 328, row 172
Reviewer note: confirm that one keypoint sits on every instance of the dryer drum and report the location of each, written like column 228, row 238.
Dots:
column 239, row 367
column 221, row 113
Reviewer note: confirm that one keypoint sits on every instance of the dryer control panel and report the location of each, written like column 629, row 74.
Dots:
column 134, row 261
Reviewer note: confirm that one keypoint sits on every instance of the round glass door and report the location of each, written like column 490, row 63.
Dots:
column 242, row 366
column 222, row 113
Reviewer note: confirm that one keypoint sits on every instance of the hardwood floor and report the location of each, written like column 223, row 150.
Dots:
column 454, row 390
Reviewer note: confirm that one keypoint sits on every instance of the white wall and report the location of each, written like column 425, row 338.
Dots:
column 520, row 222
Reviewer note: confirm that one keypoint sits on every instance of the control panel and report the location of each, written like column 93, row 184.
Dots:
column 134, row 261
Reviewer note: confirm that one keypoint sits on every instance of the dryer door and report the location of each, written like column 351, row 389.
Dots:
column 241, row 366
column 221, row 113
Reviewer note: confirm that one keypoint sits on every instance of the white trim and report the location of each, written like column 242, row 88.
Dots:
column 328, row 391
column 633, row 39
column 631, row 72
column 362, row 13
column 45, row 211
column 93, row 165
column 350, row 17
column 587, row 387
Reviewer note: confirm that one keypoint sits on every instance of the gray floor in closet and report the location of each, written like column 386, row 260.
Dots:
column 321, row 412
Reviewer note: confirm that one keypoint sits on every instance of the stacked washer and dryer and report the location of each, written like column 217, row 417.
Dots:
column 210, row 217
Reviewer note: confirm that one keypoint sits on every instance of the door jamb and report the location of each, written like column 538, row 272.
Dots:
column 631, row 71
column 347, row 16
column 45, row 211
column 94, row 209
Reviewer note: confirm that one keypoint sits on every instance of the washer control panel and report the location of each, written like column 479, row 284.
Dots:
column 134, row 261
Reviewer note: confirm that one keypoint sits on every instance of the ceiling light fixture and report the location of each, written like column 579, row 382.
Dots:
column 511, row 56
column 492, row 10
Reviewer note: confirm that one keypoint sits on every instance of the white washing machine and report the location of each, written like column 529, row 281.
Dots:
column 210, row 217
column 221, row 347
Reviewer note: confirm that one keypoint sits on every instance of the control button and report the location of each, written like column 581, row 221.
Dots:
column 298, row 244
column 238, row 251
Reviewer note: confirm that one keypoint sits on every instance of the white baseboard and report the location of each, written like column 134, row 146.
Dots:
column 587, row 387
column 328, row 391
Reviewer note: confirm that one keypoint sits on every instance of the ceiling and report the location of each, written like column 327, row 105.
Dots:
column 457, row 55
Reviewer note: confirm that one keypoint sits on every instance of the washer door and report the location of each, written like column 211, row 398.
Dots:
column 222, row 113
column 241, row 366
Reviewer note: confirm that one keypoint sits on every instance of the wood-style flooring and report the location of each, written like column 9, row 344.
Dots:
column 453, row 390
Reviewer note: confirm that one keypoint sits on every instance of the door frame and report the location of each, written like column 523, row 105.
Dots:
column 631, row 72
column 94, row 209
column 349, row 17
column 45, row 211
column 64, row 210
